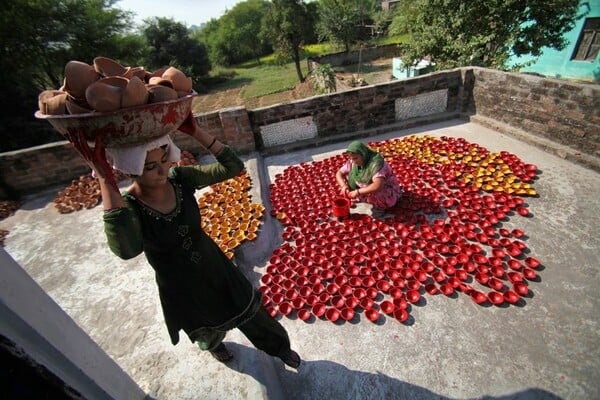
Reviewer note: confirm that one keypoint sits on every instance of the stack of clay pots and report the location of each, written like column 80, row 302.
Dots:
column 107, row 86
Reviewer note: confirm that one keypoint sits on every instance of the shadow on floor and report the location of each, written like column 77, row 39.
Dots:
column 331, row 380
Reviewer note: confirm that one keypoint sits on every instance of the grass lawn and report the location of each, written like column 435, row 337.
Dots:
column 263, row 79
column 270, row 76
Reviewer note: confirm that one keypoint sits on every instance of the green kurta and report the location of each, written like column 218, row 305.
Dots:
column 201, row 290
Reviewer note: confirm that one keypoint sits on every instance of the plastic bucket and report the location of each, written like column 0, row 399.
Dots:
column 341, row 207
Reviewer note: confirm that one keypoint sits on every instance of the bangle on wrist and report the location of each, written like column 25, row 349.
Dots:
column 211, row 144
column 358, row 191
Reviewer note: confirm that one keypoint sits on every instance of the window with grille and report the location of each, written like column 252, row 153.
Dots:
column 589, row 41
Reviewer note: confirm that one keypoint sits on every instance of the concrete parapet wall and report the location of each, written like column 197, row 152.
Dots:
column 555, row 110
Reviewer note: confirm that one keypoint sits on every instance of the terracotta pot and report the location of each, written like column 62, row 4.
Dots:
column 77, row 106
column 159, row 94
column 78, row 76
column 109, row 67
column 104, row 97
column 181, row 83
column 135, row 93
column 52, row 102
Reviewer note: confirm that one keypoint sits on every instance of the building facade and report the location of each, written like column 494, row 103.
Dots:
column 579, row 59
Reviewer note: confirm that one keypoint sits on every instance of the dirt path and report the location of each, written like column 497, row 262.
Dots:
column 232, row 97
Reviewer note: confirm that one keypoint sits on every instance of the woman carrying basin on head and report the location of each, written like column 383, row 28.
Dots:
column 367, row 177
column 201, row 291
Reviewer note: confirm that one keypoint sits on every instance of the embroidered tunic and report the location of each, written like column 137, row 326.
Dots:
column 201, row 290
column 387, row 196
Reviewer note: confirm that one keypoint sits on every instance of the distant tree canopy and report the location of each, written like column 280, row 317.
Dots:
column 234, row 38
column 340, row 20
column 457, row 33
column 170, row 43
column 286, row 25
column 337, row 21
column 38, row 39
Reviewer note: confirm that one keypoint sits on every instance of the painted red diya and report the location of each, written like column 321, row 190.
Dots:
column 347, row 313
column 319, row 309
column 366, row 303
column 272, row 311
column 495, row 298
column 332, row 314
column 401, row 315
column 478, row 297
column 529, row 274
column 285, row 308
column 431, row 288
column 413, row 296
column 511, row 296
column 387, row 307
column 303, row 314
column 521, row 288
column 446, row 289
column 372, row 314
column 532, row 262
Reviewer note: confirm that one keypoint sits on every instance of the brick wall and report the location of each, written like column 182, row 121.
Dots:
column 229, row 125
column 562, row 111
column 360, row 108
column 28, row 170
column 559, row 111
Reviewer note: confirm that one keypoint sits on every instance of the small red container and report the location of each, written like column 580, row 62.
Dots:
column 341, row 207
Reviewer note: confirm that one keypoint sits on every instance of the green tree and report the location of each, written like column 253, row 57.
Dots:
column 340, row 20
column 237, row 37
column 286, row 25
column 38, row 38
column 456, row 33
column 401, row 15
column 209, row 36
column 170, row 43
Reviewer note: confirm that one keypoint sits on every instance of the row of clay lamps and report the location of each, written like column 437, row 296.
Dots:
column 228, row 215
column 447, row 236
column 84, row 192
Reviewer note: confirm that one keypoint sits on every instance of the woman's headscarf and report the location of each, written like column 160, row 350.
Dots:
column 130, row 160
column 372, row 164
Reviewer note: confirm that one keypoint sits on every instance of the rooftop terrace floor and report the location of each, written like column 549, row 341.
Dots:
column 547, row 346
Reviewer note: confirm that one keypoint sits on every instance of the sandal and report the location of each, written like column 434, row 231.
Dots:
column 292, row 359
column 221, row 353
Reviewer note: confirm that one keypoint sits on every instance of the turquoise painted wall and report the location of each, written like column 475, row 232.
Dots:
column 558, row 64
